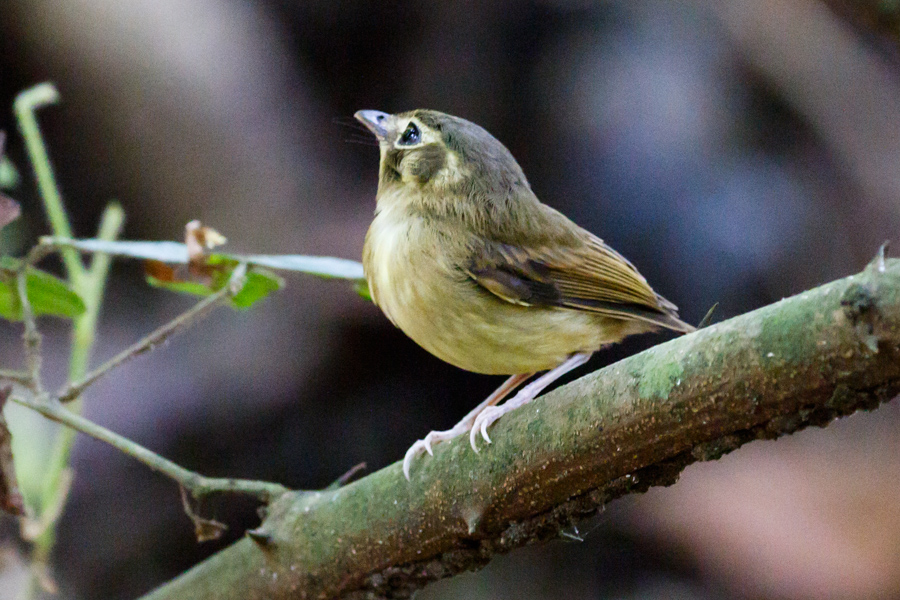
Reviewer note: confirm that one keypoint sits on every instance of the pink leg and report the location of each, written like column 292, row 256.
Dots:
column 528, row 393
column 463, row 426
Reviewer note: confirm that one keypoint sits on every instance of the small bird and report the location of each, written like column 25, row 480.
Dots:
column 465, row 260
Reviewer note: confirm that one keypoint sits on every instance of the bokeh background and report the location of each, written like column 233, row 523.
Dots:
column 737, row 152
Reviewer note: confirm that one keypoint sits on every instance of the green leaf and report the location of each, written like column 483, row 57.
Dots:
column 9, row 176
column 258, row 284
column 194, row 288
column 361, row 287
column 48, row 295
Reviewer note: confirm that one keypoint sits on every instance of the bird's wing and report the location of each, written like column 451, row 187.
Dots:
column 588, row 276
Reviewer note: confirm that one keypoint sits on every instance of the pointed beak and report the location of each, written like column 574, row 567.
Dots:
column 374, row 120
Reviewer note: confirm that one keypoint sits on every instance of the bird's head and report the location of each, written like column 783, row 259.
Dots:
column 430, row 151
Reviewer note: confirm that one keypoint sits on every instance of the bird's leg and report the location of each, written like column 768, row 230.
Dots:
column 528, row 393
column 465, row 425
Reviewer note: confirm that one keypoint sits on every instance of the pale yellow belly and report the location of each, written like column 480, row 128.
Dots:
column 451, row 316
column 491, row 336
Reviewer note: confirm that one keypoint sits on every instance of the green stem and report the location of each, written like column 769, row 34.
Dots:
column 110, row 227
column 91, row 291
column 25, row 107
column 90, row 288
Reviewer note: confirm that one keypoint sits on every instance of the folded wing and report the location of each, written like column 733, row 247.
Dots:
column 588, row 276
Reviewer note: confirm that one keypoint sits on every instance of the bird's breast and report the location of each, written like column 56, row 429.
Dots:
column 414, row 277
column 386, row 259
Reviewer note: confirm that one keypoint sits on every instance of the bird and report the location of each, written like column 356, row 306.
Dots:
column 465, row 260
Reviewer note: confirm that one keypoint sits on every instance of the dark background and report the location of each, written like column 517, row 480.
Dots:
column 736, row 152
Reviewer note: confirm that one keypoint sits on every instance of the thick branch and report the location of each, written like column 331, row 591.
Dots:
column 637, row 423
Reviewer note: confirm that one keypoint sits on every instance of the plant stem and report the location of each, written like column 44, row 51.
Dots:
column 25, row 106
column 89, row 287
column 20, row 377
column 31, row 336
column 197, row 484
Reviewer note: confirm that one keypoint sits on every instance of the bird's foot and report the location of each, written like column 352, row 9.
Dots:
column 486, row 417
column 463, row 426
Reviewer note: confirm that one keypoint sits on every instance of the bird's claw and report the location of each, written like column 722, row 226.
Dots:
column 413, row 451
column 426, row 445
column 484, row 433
column 484, row 420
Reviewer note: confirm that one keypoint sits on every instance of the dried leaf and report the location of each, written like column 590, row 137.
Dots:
column 207, row 530
column 199, row 238
column 159, row 271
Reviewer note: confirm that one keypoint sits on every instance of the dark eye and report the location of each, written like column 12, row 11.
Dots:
column 411, row 136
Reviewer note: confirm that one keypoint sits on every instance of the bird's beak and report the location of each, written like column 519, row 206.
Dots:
column 375, row 120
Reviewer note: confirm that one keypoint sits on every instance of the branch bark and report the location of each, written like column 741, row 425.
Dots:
column 632, row 425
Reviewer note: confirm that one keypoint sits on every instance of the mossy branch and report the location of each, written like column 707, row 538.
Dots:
column 632, row 425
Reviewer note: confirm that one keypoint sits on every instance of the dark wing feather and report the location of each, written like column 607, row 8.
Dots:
column 588, row 276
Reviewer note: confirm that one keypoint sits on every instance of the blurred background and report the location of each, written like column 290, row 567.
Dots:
column 736, row 152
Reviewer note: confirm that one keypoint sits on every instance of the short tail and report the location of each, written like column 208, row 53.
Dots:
column 669, row 319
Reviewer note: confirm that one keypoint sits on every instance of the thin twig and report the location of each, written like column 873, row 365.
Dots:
column 346, row 477
column 20, row 377
column 39, row 252
column 91, row 291
column 89, row 285
column 31, row 336
column 707, row 318
column 205, row 529
column 180, row 323
column 196, row 484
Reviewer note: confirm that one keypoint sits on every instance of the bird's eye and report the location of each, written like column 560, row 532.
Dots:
column 411, row 136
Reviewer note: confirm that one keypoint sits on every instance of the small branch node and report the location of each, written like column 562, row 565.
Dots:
column 205, row 529
column 264, row 539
